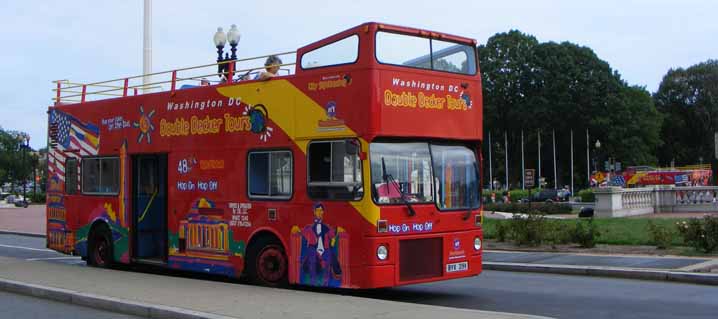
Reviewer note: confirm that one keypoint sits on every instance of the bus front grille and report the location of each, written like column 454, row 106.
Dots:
column 420, row 258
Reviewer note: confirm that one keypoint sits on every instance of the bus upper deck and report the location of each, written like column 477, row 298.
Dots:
column 396, row 75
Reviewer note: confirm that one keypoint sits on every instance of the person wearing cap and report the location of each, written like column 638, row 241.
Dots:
column 272, row 67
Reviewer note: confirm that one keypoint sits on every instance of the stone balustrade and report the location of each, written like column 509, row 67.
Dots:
column 619, row 202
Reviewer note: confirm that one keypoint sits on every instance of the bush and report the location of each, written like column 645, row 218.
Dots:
column 661, row 235
column 525, row 208
column 518, row 194
column 528, row 230
column 587, row 195
column 37, row 198
column 585, row 233
column 558, row 233
column 700, row 234
column 502, row 230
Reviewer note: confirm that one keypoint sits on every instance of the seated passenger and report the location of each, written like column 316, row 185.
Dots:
column 271, row 66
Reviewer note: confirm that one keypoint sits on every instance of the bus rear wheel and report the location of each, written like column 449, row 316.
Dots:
column 267, row 263
column 99, row 248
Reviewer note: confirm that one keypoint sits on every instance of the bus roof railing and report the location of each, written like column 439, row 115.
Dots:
column 227, row 71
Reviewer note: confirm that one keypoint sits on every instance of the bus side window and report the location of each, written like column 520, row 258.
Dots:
column 71, row 176
column 100, row 176
column 269, row 174
column 334, row 170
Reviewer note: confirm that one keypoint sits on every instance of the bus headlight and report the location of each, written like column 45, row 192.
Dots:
column 382, row 252
column 477, row 243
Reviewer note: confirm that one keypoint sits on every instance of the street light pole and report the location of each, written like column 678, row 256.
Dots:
column 23, row 137
column 220, row 39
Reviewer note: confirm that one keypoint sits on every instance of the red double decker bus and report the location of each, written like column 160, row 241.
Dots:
column 358, row 167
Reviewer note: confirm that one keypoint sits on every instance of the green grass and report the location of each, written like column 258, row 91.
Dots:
column 615, row 231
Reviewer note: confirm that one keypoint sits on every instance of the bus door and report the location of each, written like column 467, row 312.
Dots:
column 149, row 213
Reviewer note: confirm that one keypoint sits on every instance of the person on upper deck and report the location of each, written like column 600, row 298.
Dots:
column 272, row 67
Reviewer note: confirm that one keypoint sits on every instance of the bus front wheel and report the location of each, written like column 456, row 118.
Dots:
column 267, row 263
column 100, row 247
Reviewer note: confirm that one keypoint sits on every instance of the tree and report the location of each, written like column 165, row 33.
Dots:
column 688, row 98
column 505, row 74
column 562, row 87
column 12, row 167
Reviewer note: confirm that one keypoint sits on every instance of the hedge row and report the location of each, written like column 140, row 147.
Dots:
column 526, row 208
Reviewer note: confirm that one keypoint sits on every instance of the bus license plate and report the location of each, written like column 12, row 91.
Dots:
column 462, row 266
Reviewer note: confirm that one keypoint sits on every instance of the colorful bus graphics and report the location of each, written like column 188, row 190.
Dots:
column 357, row 170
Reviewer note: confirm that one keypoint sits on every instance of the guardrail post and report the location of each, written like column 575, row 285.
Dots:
column 174, row 81
column 84, row 91
column 124, row 88
column 59, row 86
column 230, row 73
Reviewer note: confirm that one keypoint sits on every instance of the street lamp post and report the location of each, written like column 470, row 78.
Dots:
column 34, row 176
column 220, row 39
column 24, row 137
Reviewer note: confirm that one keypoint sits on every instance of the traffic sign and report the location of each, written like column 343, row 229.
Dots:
column 529, row 175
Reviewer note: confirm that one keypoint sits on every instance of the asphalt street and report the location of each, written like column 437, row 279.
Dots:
column 558, row 296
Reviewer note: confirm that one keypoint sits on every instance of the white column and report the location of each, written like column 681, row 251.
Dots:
column 147, row 45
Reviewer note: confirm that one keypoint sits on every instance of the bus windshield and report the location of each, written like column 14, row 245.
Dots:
column 425, row 53
column 425, row 173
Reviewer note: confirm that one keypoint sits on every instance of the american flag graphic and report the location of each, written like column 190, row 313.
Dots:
column 70, row 137
column 618, row 180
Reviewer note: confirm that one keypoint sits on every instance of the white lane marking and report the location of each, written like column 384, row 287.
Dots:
column 51, row 258
column 26, row 248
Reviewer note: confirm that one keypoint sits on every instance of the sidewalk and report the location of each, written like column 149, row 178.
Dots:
column 160, row 296
column 29, row 220
column 668, row 268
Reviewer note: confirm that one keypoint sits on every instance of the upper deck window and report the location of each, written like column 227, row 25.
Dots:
column 425, row 53
column 343, row 51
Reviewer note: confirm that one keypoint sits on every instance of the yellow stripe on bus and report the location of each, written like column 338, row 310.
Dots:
column 298, row 116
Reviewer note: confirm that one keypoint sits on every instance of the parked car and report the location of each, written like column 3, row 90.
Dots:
column 21, row 203
column 550, row 195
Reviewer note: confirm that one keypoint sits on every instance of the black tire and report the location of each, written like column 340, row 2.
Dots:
column 267, row 263
column 100, row 252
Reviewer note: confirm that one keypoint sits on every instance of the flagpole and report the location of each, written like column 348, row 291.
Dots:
column 555, row 174
column 572, row 162
column 539, row 159
column 491, row 175
column 588, row 162
column 506, row 157
column 523, row 167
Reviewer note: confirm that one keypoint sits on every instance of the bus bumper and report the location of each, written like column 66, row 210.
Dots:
column 414, row 259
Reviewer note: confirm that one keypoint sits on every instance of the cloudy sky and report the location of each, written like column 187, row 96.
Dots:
column 94, row 40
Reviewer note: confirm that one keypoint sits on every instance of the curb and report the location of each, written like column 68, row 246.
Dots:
column 11, row 232
column 111, row 304
column 625, row 273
